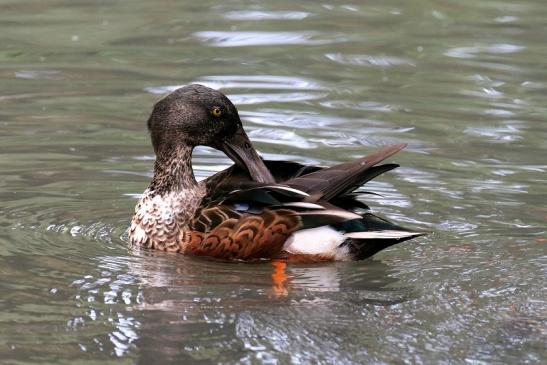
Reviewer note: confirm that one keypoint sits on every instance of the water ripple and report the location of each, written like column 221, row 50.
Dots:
column 367, row 60
column 496, row 186
column 255, row 15
column 363, row 105
column 506, row 133
column 262, row 38
column 269, row 82
column 299, row 89
column 279, row 136
column 38, row 74
column 472, row 52
column 292, row 118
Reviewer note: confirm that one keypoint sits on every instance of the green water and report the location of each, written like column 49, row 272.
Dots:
column 462, row 82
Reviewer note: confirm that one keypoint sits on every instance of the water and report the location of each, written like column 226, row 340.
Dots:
column 463, row 83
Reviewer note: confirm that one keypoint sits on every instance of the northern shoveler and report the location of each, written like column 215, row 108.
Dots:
column 254, row 209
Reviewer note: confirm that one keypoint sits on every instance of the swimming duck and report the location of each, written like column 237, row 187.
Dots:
column 254, row 209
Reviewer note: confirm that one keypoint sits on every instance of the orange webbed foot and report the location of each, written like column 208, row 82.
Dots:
column 279, row 278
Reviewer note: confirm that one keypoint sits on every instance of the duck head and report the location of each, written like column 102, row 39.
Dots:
column 196, row 115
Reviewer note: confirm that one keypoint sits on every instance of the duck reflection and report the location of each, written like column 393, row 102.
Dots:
column 252, row 283
column 168, row 308
column 200, row 310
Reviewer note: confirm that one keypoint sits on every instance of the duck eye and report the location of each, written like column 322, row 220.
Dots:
column 216, row 112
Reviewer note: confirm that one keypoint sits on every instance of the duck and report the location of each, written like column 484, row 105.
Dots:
column 255, row 209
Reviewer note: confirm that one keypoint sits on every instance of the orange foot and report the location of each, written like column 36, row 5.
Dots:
column 279, row 278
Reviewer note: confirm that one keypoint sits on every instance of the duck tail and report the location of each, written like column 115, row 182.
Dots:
column 360, row 249
column 371, row 234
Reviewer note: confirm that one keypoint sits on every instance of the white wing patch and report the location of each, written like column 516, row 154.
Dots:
column 323, row 241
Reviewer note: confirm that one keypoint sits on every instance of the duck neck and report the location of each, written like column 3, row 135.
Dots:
column 173, row 171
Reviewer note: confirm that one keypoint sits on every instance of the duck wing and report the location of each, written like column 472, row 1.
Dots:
column 278, row 221
column 343, row 178
column 309, row 217
column 236, row 177
column 255, row 223
column 325, row 182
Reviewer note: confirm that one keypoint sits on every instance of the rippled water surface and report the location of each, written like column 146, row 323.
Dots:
column 462, row 82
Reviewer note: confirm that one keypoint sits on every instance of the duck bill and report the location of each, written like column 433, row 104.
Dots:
column 241, row 151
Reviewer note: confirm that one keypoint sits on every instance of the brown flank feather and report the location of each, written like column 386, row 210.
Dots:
column 249, row 237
